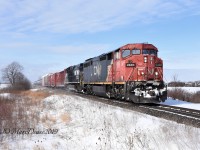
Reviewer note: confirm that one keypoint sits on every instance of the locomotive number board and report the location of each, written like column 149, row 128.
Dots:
column 130, row 65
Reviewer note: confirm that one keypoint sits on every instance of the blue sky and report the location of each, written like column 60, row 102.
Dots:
column 47, row 35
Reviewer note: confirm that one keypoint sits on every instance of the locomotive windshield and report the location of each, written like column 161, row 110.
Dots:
column 149, row 52
column 135, row 51
column 126, row 53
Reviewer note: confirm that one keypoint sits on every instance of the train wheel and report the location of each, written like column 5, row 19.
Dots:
column 89, row 90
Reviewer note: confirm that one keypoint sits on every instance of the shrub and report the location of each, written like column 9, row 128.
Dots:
column 176, row 84
column 196, row 97
column 178, row 93
column 18, row 112
column 22, row 85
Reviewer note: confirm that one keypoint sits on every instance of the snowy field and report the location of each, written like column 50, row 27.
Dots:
column 8, row 96
column 88, row 125
column 188, row 89
column 2, row 86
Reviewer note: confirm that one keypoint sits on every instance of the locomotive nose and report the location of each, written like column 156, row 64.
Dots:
column 152, row 68
column 149, row 65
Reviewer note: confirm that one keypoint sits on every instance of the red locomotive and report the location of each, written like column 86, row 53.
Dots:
column 132, row 72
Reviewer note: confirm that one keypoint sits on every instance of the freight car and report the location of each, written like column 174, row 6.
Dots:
column 74, row 77
column 132, row 72
column 46, row 80
column 60, row 79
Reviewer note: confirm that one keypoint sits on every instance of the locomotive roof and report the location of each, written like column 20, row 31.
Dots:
column 134, row 45
column 127, row 46
column 139, row 45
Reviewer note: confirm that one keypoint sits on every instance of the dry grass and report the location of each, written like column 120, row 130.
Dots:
column 17, row 113
column 65, row 118
column 178, row 93
column 10, row 91
column 35, row 95
column 5, row 106
column 21, row 111
column 48, row 120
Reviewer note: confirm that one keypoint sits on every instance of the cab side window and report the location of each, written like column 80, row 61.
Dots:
column 149, row 52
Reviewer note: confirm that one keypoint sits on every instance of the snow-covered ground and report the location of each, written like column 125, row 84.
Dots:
column 8, row 96
column 188, row 89
column 83, row 124
column 34, row 90
column 180, row 103
column 3, row 86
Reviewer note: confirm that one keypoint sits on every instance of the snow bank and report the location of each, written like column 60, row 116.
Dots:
column 93, row 125
column 34, row 90
column 179, row 103
column 5, row 94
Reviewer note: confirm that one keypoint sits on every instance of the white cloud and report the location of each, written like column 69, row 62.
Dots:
column 68, row 49
column 83, row 48
column 74, row 16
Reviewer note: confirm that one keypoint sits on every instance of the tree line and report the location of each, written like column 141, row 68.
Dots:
column 177, row 83
column 184, row 84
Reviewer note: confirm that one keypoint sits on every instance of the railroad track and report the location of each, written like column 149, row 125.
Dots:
column 190, row 113
column 178, row 114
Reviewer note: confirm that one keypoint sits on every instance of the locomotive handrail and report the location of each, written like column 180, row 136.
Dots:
column 131, row 74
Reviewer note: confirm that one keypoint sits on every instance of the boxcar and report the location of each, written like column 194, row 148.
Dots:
column 60, row 78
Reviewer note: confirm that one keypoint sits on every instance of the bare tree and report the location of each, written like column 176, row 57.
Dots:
column 175, row 82
column 12, row 73
column 175, row 78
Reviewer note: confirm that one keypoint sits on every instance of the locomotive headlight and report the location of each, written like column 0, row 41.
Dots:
column 142, row 73
column 145, row 59
column 156, row 73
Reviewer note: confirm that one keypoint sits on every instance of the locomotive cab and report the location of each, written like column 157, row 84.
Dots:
column 143, row 73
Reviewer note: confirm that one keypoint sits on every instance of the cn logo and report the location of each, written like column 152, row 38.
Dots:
column 97, row 69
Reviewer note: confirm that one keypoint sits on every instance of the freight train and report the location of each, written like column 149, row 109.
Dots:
column 133, row 72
